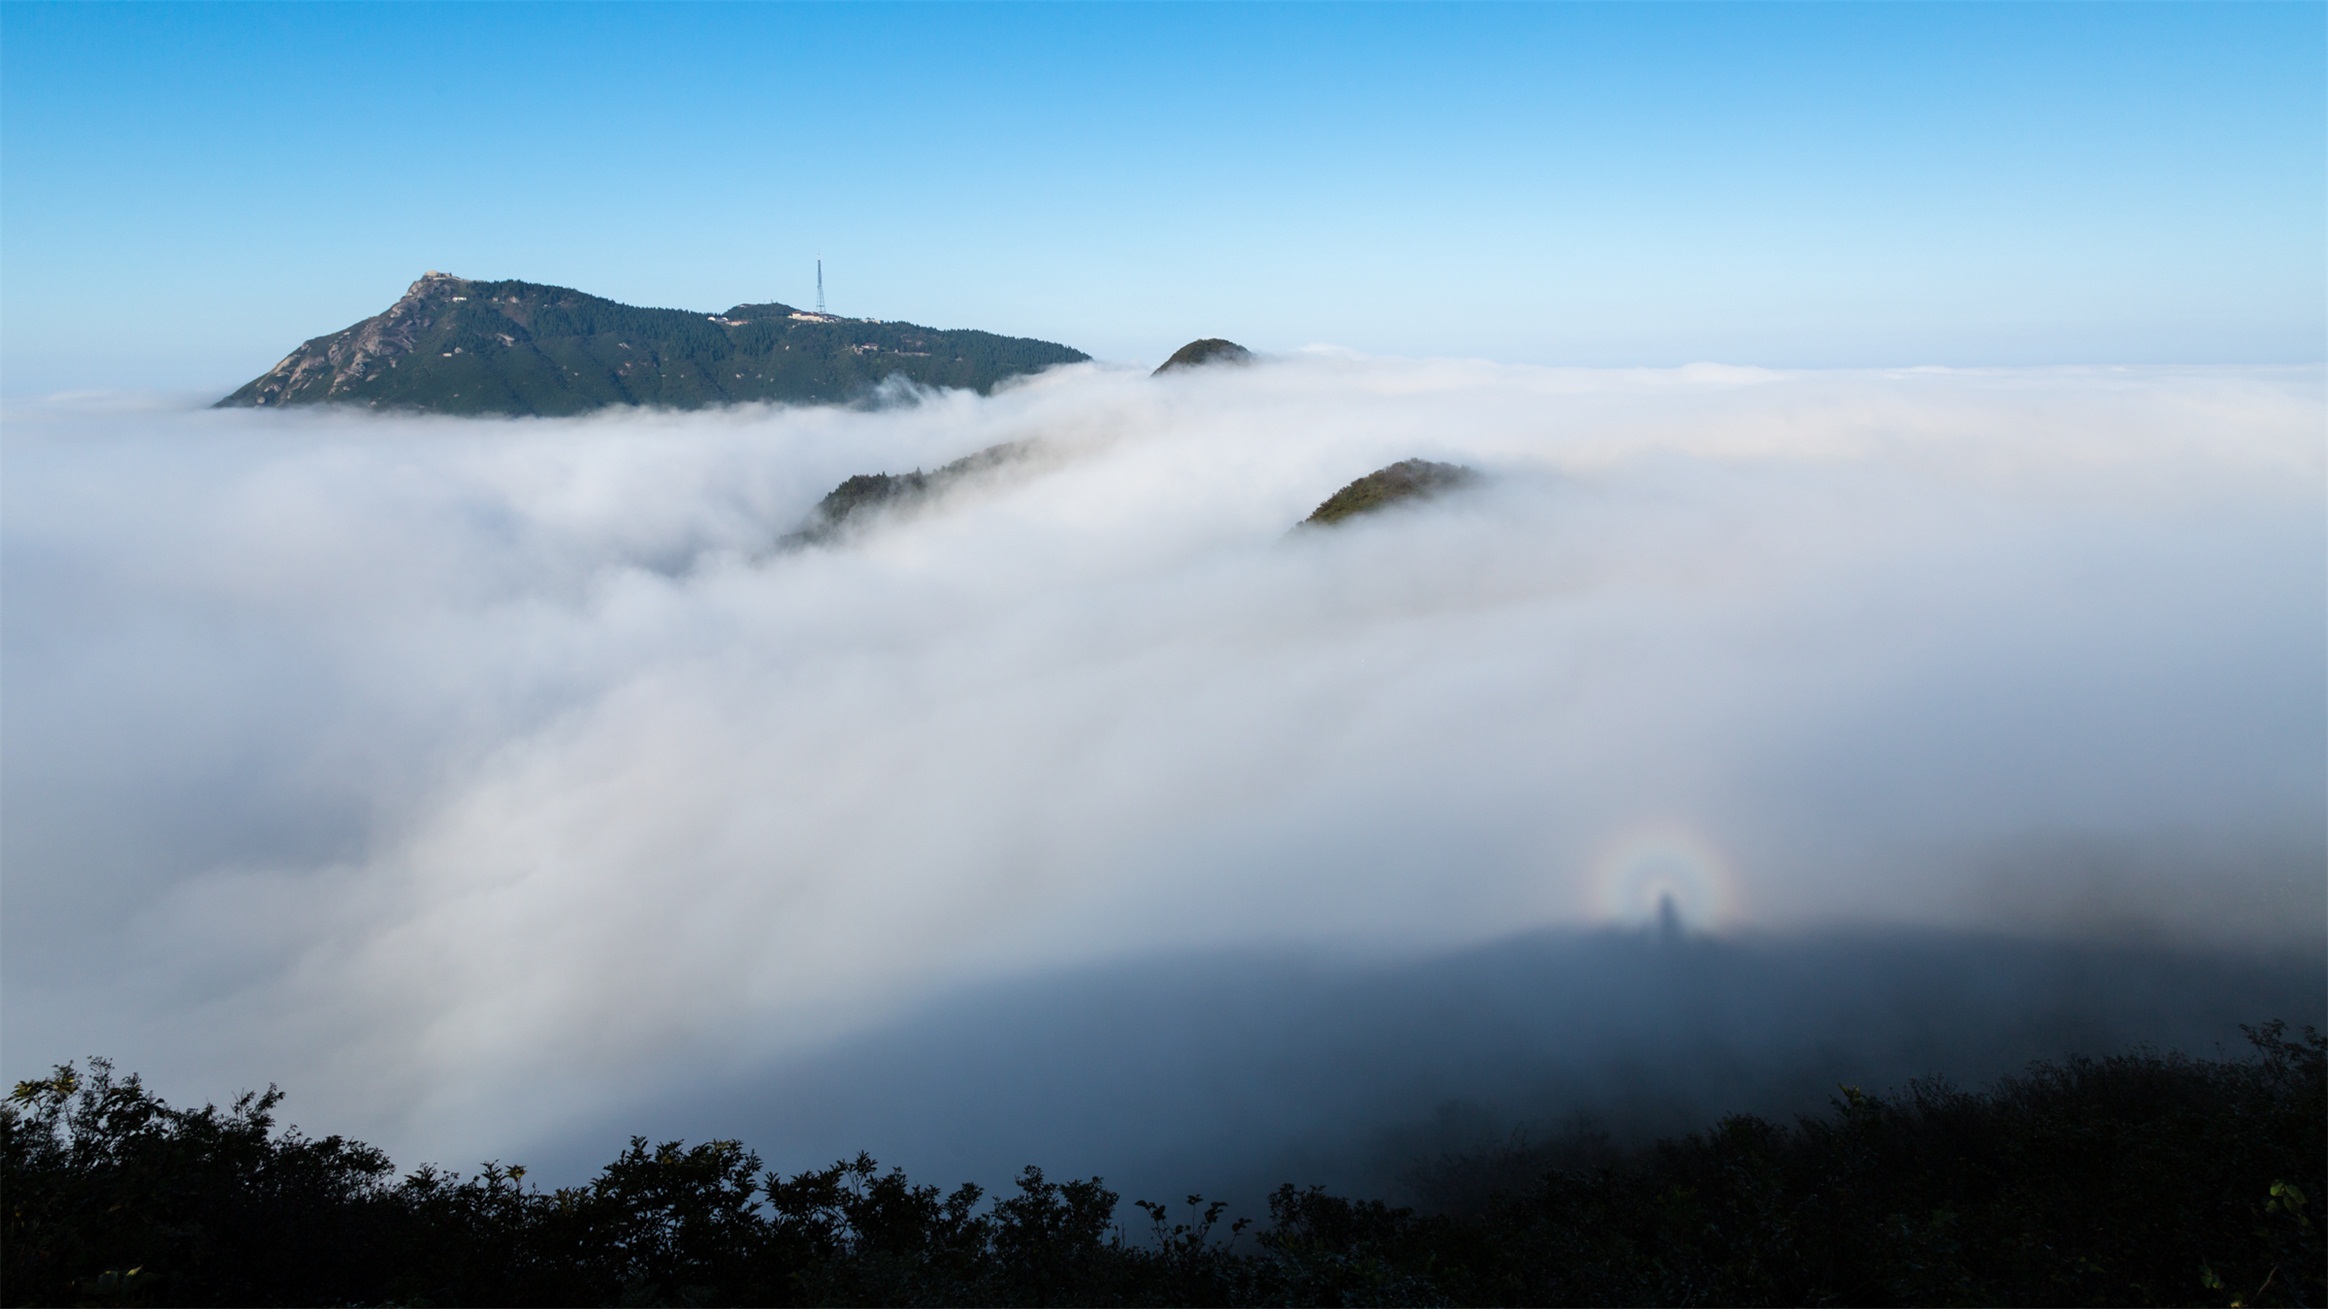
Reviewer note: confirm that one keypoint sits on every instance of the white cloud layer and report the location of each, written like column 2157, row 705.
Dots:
column 470, row 777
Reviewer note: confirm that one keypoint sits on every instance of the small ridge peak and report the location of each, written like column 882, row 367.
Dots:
column 1206, row 350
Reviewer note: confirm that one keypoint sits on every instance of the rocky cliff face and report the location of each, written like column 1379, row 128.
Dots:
column 330, row 367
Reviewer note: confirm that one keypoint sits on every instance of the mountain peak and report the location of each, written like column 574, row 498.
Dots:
column 455, row 345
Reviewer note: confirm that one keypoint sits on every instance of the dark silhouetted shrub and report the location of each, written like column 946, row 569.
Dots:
column 2140, row 1179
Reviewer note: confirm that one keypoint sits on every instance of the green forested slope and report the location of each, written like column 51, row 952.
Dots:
column 860, row 498
column 1408, row 479
column 457, row 346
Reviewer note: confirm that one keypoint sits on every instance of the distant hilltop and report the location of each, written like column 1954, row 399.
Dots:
column 456, row 346
column 1207, row 350
column 1406, row 482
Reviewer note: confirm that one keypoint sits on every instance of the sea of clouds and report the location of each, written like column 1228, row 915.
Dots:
column 482, row 781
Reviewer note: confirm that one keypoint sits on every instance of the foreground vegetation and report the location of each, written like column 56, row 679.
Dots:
column 2142, row 1179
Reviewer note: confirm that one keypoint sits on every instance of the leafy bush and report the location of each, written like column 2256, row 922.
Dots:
column 2142, row 1179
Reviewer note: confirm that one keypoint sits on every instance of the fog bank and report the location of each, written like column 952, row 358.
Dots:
column 477, row 780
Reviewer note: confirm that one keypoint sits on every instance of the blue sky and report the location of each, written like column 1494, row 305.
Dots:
column 186, row 192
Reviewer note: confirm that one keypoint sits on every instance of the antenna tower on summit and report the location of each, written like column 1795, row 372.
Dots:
column 820, row 284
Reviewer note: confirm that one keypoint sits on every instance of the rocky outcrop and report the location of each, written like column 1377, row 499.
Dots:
column 329, row 367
